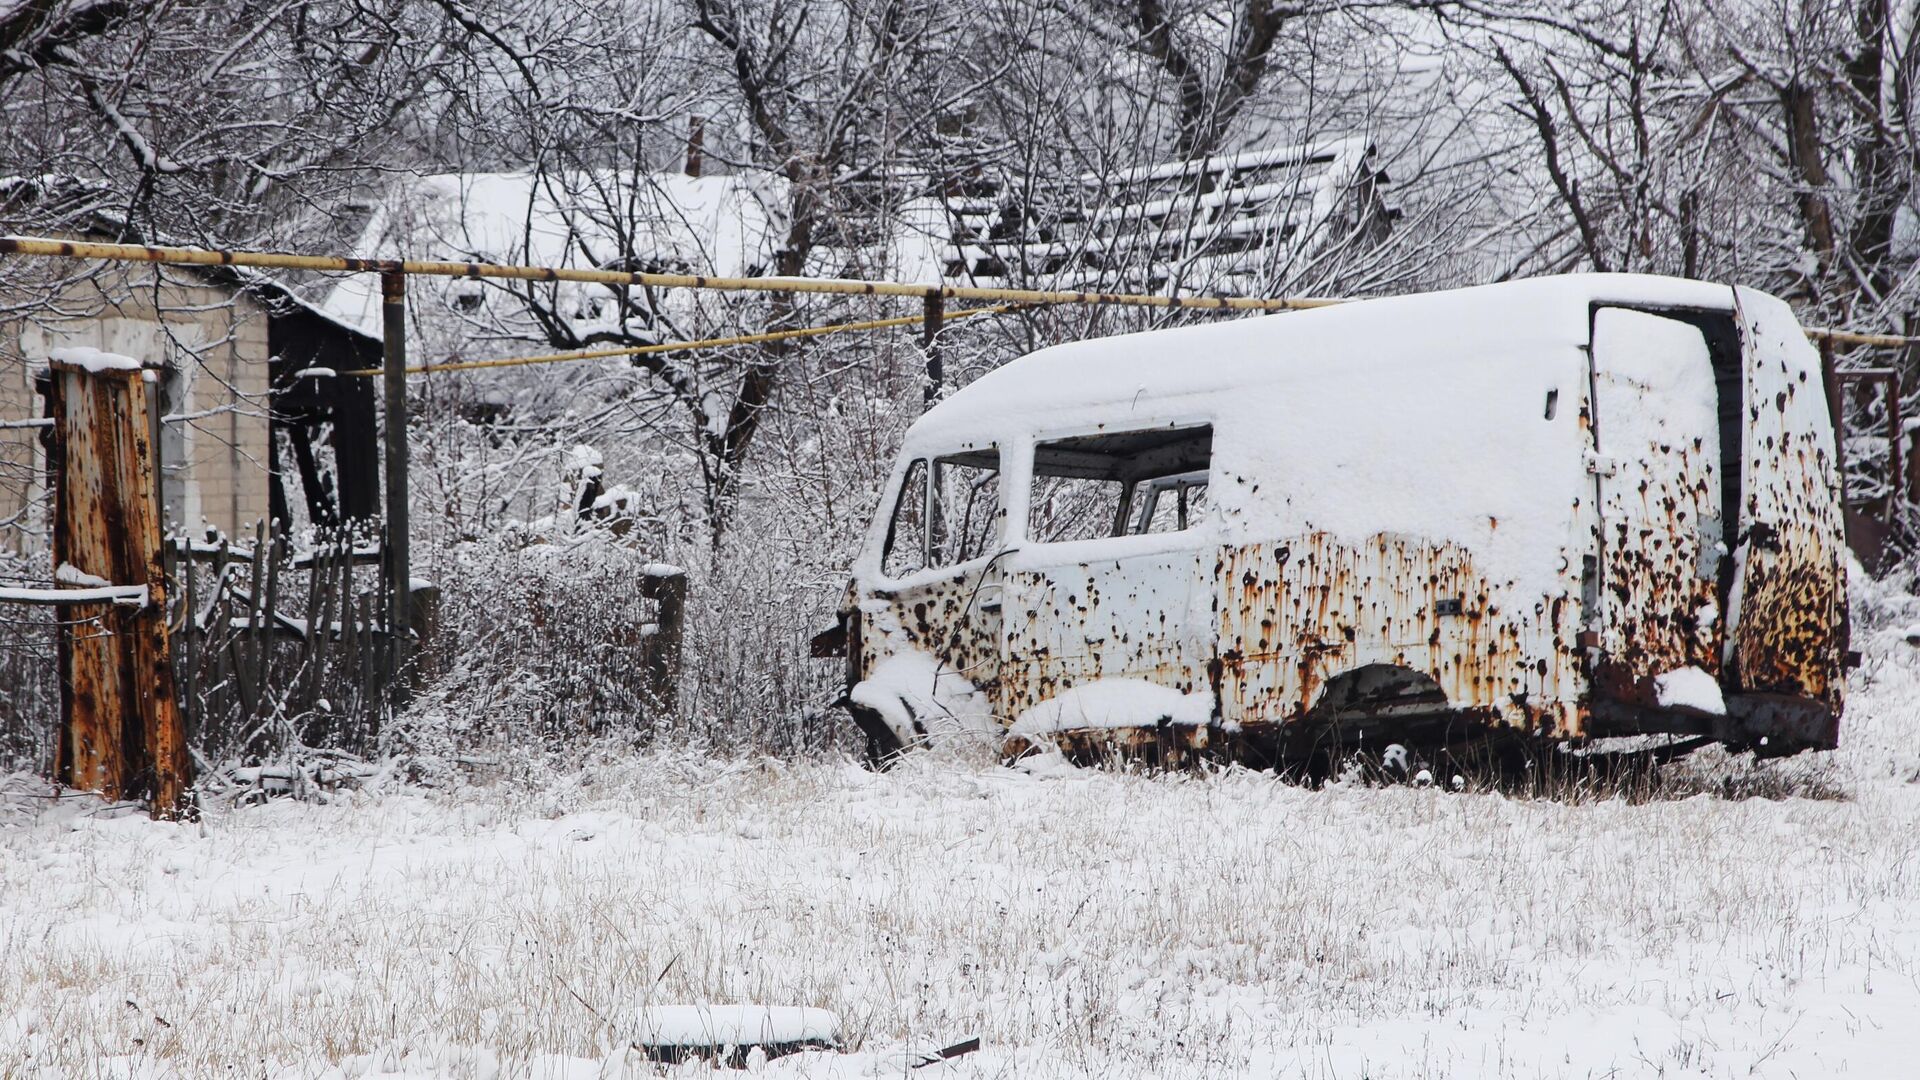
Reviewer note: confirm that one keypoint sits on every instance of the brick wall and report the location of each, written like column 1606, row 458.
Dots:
column 216, row 338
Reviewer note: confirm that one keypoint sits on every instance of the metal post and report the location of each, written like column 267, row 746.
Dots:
column 393, row 296
column 1836, row 406
column 933, row 312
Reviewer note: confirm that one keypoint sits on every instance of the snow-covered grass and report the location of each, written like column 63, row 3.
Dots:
column 1083, row 923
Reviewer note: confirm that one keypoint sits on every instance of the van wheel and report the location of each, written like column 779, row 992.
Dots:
column 883, row 746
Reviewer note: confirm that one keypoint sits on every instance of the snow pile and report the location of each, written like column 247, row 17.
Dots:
column 924, row 700
column 1114, row 703
column 93, row 360
column 1689, row 688
column 68, row 574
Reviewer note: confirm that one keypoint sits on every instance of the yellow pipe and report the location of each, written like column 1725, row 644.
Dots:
column 682, row 346
column 1850, row 337
column 76, row 249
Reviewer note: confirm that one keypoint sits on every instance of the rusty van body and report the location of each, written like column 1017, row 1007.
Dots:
column 1565, row 508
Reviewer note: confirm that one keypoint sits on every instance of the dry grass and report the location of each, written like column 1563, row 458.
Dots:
column 1089, row 923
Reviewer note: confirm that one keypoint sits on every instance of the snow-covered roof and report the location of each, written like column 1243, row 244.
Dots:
column 1241, row 356
column 724, row 225
column 1323, row 152
column 1218, row 217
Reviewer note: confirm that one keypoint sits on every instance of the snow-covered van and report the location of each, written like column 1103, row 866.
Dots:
column 1569, row 508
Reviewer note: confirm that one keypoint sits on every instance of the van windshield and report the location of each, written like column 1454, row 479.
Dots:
column 1119, row 484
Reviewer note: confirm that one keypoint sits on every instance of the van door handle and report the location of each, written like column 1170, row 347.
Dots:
column 988, row 598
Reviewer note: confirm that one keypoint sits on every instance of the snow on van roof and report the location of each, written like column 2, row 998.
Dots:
column 1056, row 387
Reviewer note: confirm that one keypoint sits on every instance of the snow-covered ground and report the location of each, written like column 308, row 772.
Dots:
column 1080, row 923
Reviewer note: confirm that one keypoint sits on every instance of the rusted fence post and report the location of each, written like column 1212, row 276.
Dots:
column 121, row 732
column 393, row 295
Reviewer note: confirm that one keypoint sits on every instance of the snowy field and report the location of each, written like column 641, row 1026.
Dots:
column 1080, row 923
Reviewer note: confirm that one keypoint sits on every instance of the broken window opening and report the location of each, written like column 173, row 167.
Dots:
column 1170, row 503
column 1123, row 484
column 954, row 520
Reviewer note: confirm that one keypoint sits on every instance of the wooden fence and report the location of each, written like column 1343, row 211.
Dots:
column 276, row 651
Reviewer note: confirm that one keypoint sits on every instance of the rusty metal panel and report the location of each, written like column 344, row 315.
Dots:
column 1788, row 599
column 1146, row 616
column 955, row 619
column 1657, row 472
column 122, row 733
column 1297, row 613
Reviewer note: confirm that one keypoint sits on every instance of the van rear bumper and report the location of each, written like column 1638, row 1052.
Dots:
column 1771, row 725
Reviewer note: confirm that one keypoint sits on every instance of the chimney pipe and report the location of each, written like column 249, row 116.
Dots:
column 696, row 141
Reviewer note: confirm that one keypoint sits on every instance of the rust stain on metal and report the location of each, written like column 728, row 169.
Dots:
column 1791, row 633
column 1305, row 612
column 944, row 619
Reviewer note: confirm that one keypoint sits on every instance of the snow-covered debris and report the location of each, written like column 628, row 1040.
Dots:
column 584, row 461
column 720, row 1026
column 125, row 595
column 1114, row 703
column 1690, row 688
column 1396, row 757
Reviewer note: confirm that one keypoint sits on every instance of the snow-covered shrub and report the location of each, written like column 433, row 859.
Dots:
column 541, row 636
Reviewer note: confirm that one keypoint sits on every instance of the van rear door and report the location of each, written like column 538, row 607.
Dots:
column 1788, row 601
column 1656, row 471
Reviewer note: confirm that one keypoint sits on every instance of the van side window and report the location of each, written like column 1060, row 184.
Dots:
column 958, row 520
column 1119, row 484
